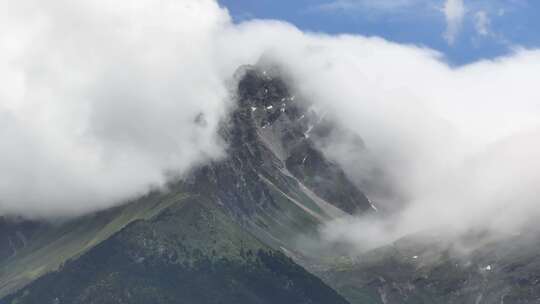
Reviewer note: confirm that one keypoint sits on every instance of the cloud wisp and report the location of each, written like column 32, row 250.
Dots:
column 454, row 13
column 383, row 6
column 482, row 23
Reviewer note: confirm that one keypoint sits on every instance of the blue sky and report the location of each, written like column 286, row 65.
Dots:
column 463, row 30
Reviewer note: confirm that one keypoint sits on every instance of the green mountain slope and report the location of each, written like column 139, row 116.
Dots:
column 189, row 253
column 43, row 247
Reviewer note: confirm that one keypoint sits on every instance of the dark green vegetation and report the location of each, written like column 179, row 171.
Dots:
column 189, row 253
column 46, row 248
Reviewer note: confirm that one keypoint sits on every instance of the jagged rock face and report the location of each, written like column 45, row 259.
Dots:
column 268, row 139
column 429, row 269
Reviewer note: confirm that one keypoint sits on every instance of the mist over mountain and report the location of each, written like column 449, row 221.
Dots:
column 124, row 124
column 105, row 111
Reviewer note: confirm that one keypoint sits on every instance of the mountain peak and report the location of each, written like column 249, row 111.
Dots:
column 264, row 93
column 270, row 149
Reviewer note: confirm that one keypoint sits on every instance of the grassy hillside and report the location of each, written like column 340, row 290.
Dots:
column 191, row 252
column 52, row 244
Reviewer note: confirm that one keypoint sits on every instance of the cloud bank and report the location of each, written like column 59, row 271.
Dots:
column 99, row 99
column 456, row 144
column 102, row 99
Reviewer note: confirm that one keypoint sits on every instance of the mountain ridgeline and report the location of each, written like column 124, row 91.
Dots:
column 221, row 235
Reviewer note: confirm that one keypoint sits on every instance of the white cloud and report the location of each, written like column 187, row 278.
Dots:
column 458, row 145
column 454, row 12
column 482, row 23
column 99, row 99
